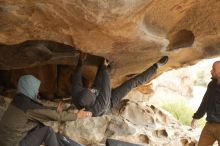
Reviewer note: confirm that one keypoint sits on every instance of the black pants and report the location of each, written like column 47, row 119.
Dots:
column 103, row 85
column 121, row 91
column 39, row 136
column 108, row 97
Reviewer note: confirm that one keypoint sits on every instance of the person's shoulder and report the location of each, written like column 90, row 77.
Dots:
column 212, row 83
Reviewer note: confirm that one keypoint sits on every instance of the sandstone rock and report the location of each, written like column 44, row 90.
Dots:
column 131, row 34
column 135, row 123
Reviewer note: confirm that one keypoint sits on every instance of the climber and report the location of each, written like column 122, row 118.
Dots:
column 21, row 124
column 100, row 97
column 211, row 106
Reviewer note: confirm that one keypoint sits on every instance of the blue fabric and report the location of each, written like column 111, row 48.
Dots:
column 29, row 86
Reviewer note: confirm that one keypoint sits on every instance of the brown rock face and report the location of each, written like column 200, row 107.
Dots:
column 132, row 34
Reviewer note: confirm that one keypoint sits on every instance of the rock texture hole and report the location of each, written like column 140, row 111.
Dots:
column 183, row 38
column 187, row 142
column 144, row 138
column 161, row 133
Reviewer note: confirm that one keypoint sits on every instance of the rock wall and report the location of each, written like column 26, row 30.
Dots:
column 127, row 32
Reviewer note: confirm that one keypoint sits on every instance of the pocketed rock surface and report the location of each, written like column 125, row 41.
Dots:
column 134, row 122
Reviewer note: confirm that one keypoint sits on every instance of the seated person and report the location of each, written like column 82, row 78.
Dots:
column 101, row 97
column 21, row 123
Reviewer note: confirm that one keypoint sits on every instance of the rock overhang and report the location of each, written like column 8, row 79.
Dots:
column 131, row 34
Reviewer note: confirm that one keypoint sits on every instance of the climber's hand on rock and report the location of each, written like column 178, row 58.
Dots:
column 83, row 56
column 194, row 123
column 106, row 62
column 83, row 114
column 60, row 107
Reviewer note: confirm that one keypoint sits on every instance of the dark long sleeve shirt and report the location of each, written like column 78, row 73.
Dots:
column 22, row 115
column 210, row 103
column 82, row 97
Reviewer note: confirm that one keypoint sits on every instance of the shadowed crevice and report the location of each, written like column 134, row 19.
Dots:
column 51, row 62
column 183, row 38
column 39, row 52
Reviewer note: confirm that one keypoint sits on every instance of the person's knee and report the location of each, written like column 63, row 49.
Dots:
column 48, row 129
column 101, row 111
